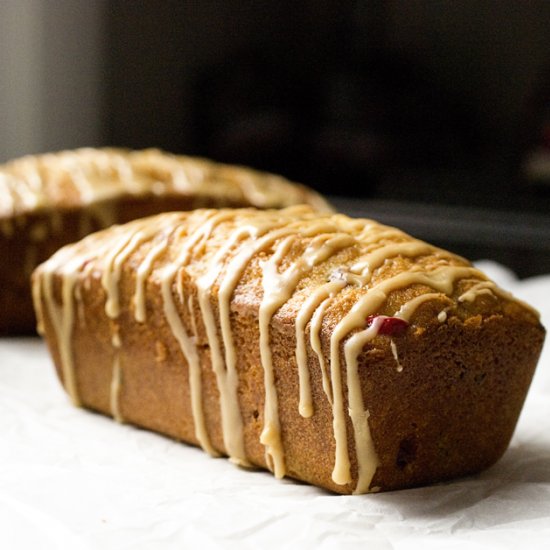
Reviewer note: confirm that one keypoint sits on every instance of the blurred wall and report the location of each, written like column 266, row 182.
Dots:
column 492, row 53
column 51, row 75
column 158, row 50
column 487, row 53
column 403, row 99
column 172, row 73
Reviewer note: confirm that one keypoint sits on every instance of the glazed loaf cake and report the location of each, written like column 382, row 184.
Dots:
column 333, row 350
column 50, row 200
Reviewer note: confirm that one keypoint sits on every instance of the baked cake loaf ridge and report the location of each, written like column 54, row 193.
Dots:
column 49, row 200
column 334, row 350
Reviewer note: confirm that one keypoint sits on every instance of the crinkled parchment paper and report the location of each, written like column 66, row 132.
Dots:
column 71, row 479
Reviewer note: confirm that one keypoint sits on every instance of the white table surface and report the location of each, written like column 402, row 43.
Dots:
column 71, row 479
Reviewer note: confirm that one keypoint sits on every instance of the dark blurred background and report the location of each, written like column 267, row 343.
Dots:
column 433, row 115
column 428, row 100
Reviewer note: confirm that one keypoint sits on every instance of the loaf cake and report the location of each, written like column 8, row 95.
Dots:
column 50, row 200
column 332, row 350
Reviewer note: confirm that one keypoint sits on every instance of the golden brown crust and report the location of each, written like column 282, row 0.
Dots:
column 442, row 397
column 85, row 177
column 47, row 201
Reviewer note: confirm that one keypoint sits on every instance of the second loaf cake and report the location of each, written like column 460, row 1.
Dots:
column 47, row 201
column 333, row 350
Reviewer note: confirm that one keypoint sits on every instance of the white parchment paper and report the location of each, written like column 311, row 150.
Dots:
column 71, row 479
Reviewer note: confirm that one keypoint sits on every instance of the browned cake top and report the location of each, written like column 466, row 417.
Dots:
column 342, row 280
column 72, row 179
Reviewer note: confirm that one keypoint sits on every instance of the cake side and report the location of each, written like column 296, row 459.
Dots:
column 336, row 351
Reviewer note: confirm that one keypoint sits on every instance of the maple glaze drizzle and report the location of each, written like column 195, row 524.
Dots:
column 177, row 243
column 116, row 379
column 94, row 178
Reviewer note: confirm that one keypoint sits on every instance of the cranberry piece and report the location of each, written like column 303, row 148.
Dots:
column 388, row 326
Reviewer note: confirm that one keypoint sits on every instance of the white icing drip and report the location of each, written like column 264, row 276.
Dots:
column 367, row 459
column 190, row 353
column 116, row 376
column 79, row 176
column 116, row 384
column 143, row 271
column 271, row 436
column 116, row 342
column 315, row 341
column 261, row 195
column 393, row 347
column 195, row 241
column 234, row 270
column 481, row 288
column 441, row 279
column 491, row 289
column 99, row 177
column 136, row 234
column 361, row 276
column 408, row 308
column 361, row 272
column 79, row 305
column 309, row 307
column 355, row 318
column 62, row 318
column 17, row 195
column 278, row 288
column 227, row 379
column 67, row 263
column 187, row 344
column 126, row 174
column 111, row 272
